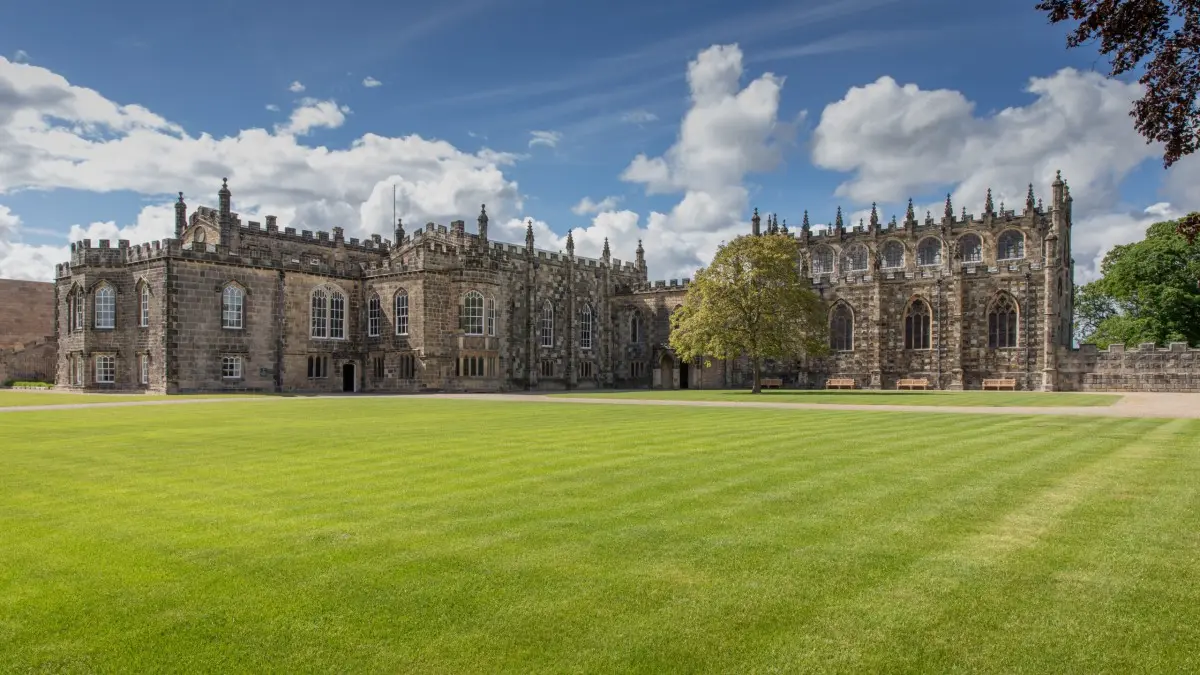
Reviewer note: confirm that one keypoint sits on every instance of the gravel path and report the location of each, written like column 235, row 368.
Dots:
column 1139, row 404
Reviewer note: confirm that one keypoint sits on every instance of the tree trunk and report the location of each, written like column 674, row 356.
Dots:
column 757, row 387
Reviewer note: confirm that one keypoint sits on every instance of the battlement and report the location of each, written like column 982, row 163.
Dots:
column 1143, row 348
column 83, row 254
column 828, row 234
column 662, row 286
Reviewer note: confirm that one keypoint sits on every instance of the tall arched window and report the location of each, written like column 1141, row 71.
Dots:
column 822, row 260
column 320, row 313
column 491, row 315
column 472, row 313
column 144, row 306
column 929, row 252
column 198, row 236
column 547, row 328
column 79, row 309
column 585, row 327
column 337, row 316
column 1010, row 246
column 635, row 329
column 917, row 325
column 893, row 254
column 402, row 312
column 970, row 248
column 374, row 316
column 1002, row 323
column 841, row 328
column 856, row 258
column 105, row 301
column 232, row 302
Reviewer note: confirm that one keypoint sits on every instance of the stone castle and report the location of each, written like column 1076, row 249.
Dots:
column 227, row 305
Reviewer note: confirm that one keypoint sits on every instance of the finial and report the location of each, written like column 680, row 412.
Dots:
column 949, row 214
column 874, row 216
column 893, row 220
column 529, row 234
column 964, row 214
column 606, row 253
column 570, row 242
column 783, row 228
column 180, row 197
column 909, row 216
column 804, row 225
column 838, row 222
column 1029, row 198
column 1002, row 207
column 483, row 213
column 987, row 204
column 1039, row 205
column 1058, row 177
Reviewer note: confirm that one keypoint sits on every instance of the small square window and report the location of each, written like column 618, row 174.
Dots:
column 231, row 367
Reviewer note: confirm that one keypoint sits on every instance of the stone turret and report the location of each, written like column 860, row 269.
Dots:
column 225, row 213
column 570, row 244
column 399, row 232
column 641, row 256
column 180, row 217
column 755, row 221
column 606, row 255
column 483, row 225
column 529, row 236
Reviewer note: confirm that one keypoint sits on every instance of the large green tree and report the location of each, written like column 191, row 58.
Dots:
column 750, row 301
column 1147, row 292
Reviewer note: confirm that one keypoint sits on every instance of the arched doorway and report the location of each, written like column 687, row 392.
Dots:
column 348, row 377
column 666, row 371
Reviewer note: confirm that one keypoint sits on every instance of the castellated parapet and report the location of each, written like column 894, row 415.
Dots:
column 227, row 306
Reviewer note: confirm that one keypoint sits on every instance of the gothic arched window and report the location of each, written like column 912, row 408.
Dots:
column 841, row 328
column 320, row 313
column 1010, row 246
column 491, row 315
column 232, row 302
column 401, row 312
column 105, row 301
column 1002, row 323
column 856, row 258
column 374, row 315
column 337, row 315
column 635, row 329
column 893, row 254
column 917, row 326
column 547, row 327
column 970, row 248
column 822, row 260
column 144, row 306
column 929, row 252
column 472, row 313
column 585, row 327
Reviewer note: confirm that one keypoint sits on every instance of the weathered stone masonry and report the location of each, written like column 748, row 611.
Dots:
column 232, row 306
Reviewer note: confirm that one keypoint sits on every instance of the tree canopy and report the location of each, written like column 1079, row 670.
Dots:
column 1165, row 34
column 1148, row 292
column 750, row 301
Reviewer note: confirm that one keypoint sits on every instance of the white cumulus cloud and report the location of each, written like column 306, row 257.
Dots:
column 370, row 82
column 296, row 87
column 21, row 56
column 586, row 205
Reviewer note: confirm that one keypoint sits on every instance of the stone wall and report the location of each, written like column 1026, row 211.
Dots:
column 1145, row 368
column 28, row 311
column 33, row 362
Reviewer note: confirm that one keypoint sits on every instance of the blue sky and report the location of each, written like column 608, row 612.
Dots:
column 606, row 80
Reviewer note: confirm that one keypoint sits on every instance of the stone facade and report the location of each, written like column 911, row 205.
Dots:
column 27, row 350
column 232, row 306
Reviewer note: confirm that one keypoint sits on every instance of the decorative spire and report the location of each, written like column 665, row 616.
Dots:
column 949, row 213
column 909, row 216
column 964, row 214
column 987, row 204
column 755, row 222
column 483, row 223
column 893, row 223
column 180, row 217
column 1039, row 204
column 1001, row 207
column 399, row 231
column 874, row 217
column 641, row 255
column 223, row 198
column 570, row 243
column 1058, row 177
column 606, row 254
column 783, row 227
column 804, row 225
column 837, row 224
column 1029, row 203
column 529, row 235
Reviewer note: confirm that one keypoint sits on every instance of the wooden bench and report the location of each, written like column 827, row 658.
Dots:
column 1000, row 383
column 772, row 383
column 839, row 383
column 915, row 383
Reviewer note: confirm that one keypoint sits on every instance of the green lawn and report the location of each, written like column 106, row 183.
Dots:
column 989, row 399
column 23, row 398
column 409, row 535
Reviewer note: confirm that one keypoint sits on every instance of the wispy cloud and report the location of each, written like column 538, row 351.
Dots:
column 845, row 42
column 672, row 51
column 638, row 116
column 549, row 139
column 20, row 56
column 272, row 107
column 370, row 82
column 586, row 205
column 296, row 87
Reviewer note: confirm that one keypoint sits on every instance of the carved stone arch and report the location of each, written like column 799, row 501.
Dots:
column 888, row 252
column 841, row 325
column 1003, row 317
column 931, row 251
column 918, row 323
column 1011, row 244
column 103, row 281
column 824, row 260
column 970, row 247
